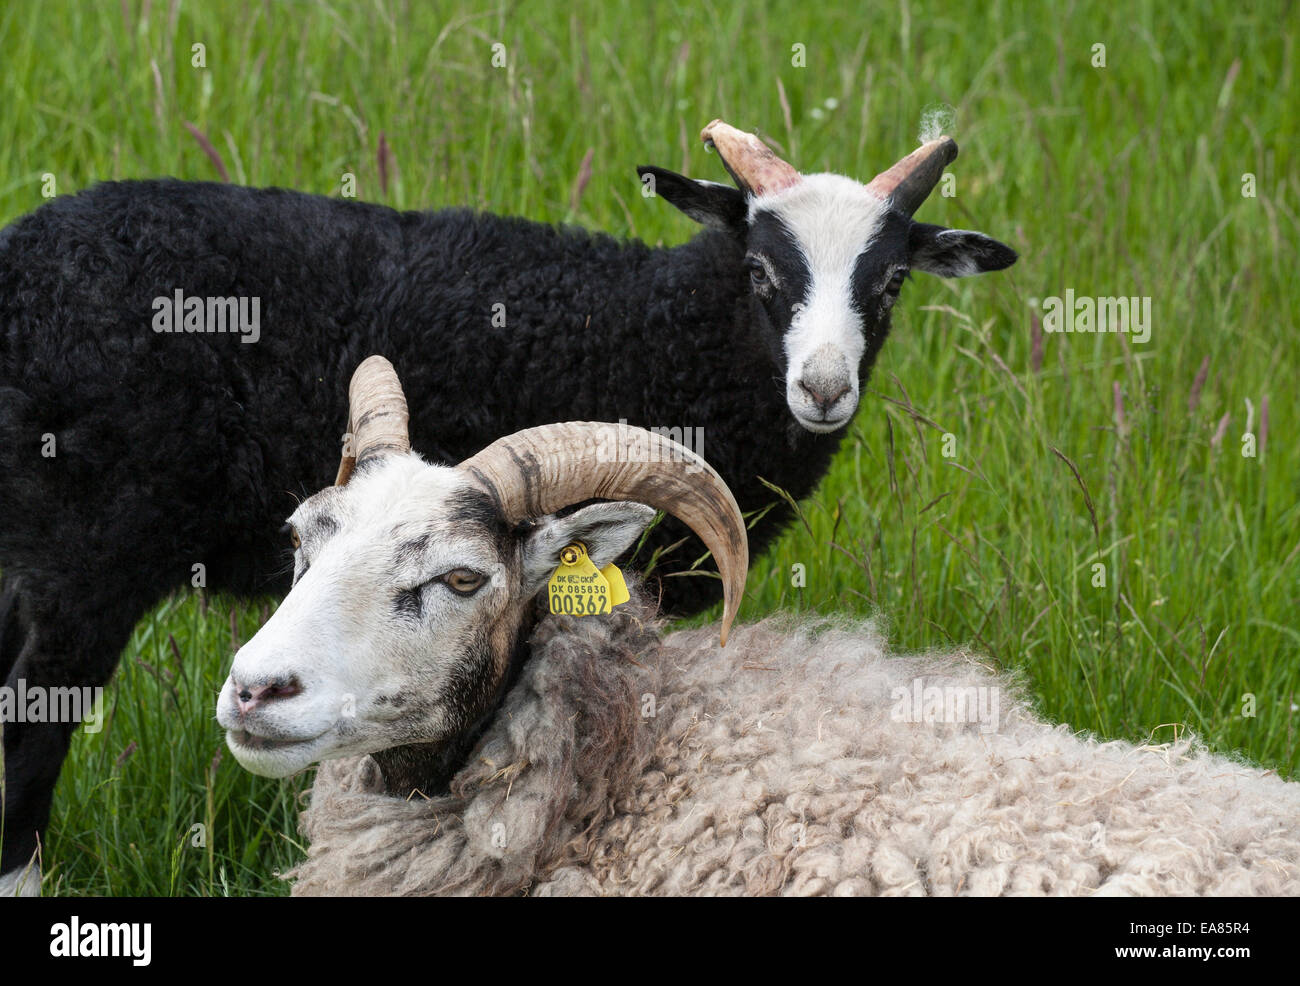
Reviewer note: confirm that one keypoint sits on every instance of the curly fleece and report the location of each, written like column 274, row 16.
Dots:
column 620, row 765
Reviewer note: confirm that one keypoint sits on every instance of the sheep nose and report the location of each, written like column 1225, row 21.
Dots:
column 818, row 392
column 250, row 697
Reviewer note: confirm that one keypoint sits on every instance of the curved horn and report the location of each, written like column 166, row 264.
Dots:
column 377, row 416
column 749, row 161
column 541, row 470
column 907, row 184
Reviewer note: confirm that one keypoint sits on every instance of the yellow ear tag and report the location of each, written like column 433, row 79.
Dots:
column 577, row 588
column 618, row 593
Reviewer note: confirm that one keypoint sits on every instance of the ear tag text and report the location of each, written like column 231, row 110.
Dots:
column 577, row 588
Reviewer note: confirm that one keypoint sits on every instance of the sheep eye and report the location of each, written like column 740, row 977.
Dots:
column 758, row 274
column 464, row 581
column 895, row 284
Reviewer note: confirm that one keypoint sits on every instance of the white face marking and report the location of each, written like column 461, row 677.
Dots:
column 834, row 220
column 337, row 635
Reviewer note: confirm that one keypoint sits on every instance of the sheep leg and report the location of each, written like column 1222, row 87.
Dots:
column 59, row 650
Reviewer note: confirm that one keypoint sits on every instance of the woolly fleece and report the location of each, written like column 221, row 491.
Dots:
column 774, row 767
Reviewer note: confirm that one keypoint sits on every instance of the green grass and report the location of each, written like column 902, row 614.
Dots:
column 1118, row 180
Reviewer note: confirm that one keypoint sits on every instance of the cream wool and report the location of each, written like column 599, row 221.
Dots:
column 622, row 764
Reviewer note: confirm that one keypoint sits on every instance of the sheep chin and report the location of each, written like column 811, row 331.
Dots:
column 820, row 427
column 280, row 760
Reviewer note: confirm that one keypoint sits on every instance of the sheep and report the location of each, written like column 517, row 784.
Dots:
column 489, row 751
column 780, row 770
column 173, row 342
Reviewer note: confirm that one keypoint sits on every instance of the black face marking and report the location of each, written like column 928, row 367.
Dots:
column 373, row 460
column 312, row 530
column 472, row 506
column 775, row 300
column 472, row 687
column 471, row 701
column 408, row 604
column 769, row 237
column 876, row 278
column 411, row 550
column 876, row 266
column 475, row 508
column 469, row 510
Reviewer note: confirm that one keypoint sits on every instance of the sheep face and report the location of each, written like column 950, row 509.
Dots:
column 825, row 258
column 410, row 594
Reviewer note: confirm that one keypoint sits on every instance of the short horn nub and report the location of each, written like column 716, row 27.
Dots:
column 541, row 470
column 377, row 416
column 750, row 162
column 907, row 184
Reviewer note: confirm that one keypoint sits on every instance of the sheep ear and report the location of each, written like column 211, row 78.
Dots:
column 707, row 202
column 956, row 252
column 605, row 529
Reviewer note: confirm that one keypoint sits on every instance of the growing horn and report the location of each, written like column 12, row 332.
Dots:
column 907, row 184
column 749, row 161
column 377, row 416
column 540, row 470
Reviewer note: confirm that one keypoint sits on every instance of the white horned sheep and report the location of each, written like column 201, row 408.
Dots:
column 592, row 755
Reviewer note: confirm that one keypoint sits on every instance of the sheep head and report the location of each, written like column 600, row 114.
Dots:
column 414, row 583
column 825, row 258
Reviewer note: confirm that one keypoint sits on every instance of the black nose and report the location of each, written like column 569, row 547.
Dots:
column 252, row 696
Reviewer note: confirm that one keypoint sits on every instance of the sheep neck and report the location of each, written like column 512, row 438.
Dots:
column 428, row 768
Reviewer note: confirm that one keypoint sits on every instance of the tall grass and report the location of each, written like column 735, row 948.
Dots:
column 1065, row 451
